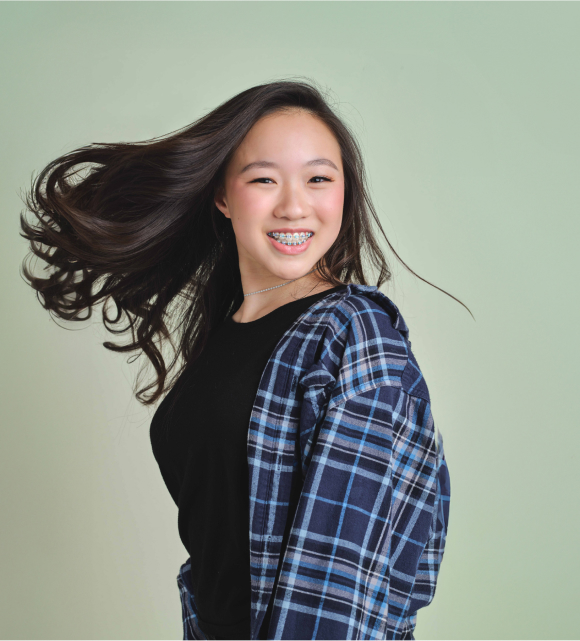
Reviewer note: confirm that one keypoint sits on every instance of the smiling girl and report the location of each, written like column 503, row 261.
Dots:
column 284, row 194
column 295, row 434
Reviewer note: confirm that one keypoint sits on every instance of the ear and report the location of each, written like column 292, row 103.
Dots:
column 220, row 202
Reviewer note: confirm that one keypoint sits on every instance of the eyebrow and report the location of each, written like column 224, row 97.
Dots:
column 263, row 164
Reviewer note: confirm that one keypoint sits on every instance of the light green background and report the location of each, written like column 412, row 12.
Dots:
column 468, row 116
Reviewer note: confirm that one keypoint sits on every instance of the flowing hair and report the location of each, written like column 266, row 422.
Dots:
column 134, row 225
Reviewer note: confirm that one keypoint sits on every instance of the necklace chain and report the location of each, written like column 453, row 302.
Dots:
column 282, row 285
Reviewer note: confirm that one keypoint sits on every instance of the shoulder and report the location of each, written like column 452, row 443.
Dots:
column 363, row 343
column 362, row 307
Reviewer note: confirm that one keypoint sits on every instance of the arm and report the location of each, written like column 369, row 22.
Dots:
column 363, row 521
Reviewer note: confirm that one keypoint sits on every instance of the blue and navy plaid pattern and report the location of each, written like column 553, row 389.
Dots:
column 343, row 414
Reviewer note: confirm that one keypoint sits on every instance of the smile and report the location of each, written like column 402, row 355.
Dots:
column 290, row 239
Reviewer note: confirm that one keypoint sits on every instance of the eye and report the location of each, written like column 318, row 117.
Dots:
column 318, row 180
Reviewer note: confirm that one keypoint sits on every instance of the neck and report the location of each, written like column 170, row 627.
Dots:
column 258, row 305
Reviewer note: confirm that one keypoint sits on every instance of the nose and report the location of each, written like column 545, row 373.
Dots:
column 292, row 203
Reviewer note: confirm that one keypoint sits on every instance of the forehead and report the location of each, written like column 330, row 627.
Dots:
column 293, row 134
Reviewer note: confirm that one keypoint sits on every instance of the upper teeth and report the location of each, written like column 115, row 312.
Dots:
column 291, row 239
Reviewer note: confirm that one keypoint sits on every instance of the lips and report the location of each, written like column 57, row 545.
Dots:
column 290, row 244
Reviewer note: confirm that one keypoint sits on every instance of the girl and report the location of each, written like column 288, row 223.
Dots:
column 296, row 437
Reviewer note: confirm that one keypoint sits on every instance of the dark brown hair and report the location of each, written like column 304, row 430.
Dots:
column 135, row 225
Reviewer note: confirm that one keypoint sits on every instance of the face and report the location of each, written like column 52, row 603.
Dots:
column 285, row 177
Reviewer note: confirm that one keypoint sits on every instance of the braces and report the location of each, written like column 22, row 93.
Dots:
column 290, row 239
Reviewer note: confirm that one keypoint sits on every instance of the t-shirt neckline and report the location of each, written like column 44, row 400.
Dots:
column 253, row 323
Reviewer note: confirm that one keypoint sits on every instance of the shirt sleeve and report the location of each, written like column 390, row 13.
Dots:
column 362, row 554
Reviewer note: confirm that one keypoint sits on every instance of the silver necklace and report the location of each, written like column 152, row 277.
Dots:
column 282, row 285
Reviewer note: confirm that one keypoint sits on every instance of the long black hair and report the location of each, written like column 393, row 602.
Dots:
column 134, row 224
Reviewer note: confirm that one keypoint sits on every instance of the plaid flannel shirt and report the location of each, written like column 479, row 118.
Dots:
column 349, row 487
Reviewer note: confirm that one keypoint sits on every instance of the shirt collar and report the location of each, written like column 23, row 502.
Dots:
column 373, row 292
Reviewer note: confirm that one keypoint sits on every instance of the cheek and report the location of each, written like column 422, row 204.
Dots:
column 330, row 207
column 248, row 202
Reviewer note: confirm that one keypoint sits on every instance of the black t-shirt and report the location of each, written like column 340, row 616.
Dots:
column 199, row 437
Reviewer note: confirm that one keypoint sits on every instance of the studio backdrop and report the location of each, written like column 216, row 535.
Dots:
column 467, row 115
